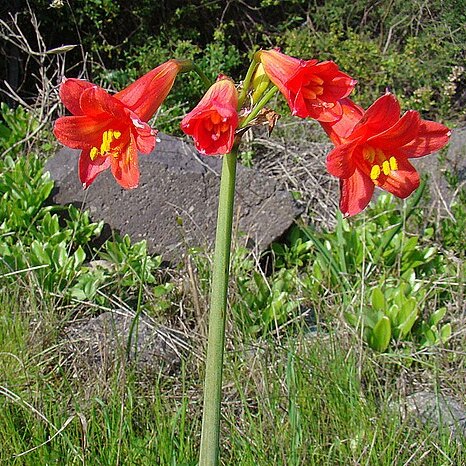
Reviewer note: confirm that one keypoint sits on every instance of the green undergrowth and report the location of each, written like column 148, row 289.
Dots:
column 386, row 273
column 309, row 399
column 319, row 340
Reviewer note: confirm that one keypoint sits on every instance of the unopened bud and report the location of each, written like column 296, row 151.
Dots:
column 260, row 82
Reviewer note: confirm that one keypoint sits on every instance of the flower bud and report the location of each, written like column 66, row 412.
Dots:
column 260, row 82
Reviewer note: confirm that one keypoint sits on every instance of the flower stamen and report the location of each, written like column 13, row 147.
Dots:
column 379, row 163
column 375, row 172
column 107, row 139
column 217, row 126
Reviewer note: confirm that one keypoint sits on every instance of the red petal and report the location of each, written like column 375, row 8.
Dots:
column 401, row 182
column 337, row 85
column 143, row 133
column 203, row 140
column 339, row 130
column 70, row 93
column 355, row 193
column 98, row 103
column 125, row 168
column 379, row 117
column 281, row 68
column 402, row 132
column 223, row 95
column 79, row 132
column 145, row 141
column 431, row 137
column 89, row 169
column 145, row 95
column 340, row 161
column 325, row 114
column 298, row 104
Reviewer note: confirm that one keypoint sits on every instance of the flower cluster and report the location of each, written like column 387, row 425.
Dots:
column 372, row 147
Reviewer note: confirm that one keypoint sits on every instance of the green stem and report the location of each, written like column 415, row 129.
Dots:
column 209, row 454
column 246, row 82
column 207, row 82
column 260, row 105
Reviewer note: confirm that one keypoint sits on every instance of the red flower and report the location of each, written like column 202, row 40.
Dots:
column 111, row 130
column 213, row 122
column 339, row 130
column 311, row 89
column 373, row 147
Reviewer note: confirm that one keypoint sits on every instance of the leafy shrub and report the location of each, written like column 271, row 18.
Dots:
column 377, row 254
column 266, row 303
column 395, row 316
column 453, row 229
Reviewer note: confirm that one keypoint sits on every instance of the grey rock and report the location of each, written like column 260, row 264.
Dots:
column 175, row 206
column 99, row 345
column 437, row 410
column 454, row 161
column 456, row 155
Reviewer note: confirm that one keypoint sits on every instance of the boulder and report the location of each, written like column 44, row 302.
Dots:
column 96, row 349
column 456, row 155
column 437, row 411
column 436, row 166
column 175, row 206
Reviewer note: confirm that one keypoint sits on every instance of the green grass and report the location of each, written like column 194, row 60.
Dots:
column 312, row 399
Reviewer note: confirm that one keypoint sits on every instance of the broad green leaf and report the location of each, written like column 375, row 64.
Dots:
column 378, row 299
column 381, row 334
column 407, row 324
column 445, row 332
column 437, row 316
column 406, row 309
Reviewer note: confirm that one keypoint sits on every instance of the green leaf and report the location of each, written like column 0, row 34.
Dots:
column 39, row 254
column 378, row 299
column 351, row 318
column 445, row 332
column 406, row 309
column 407, row 324
column 437, row 316
column 381, row 334
column 4, row 131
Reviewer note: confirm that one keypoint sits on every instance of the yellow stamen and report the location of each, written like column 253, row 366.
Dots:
column 375, row 172
column 105, row 145
column 393, row 164
column 107, row 138
column 386, row 167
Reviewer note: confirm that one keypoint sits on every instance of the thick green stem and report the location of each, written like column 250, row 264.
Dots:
column 209, row 454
